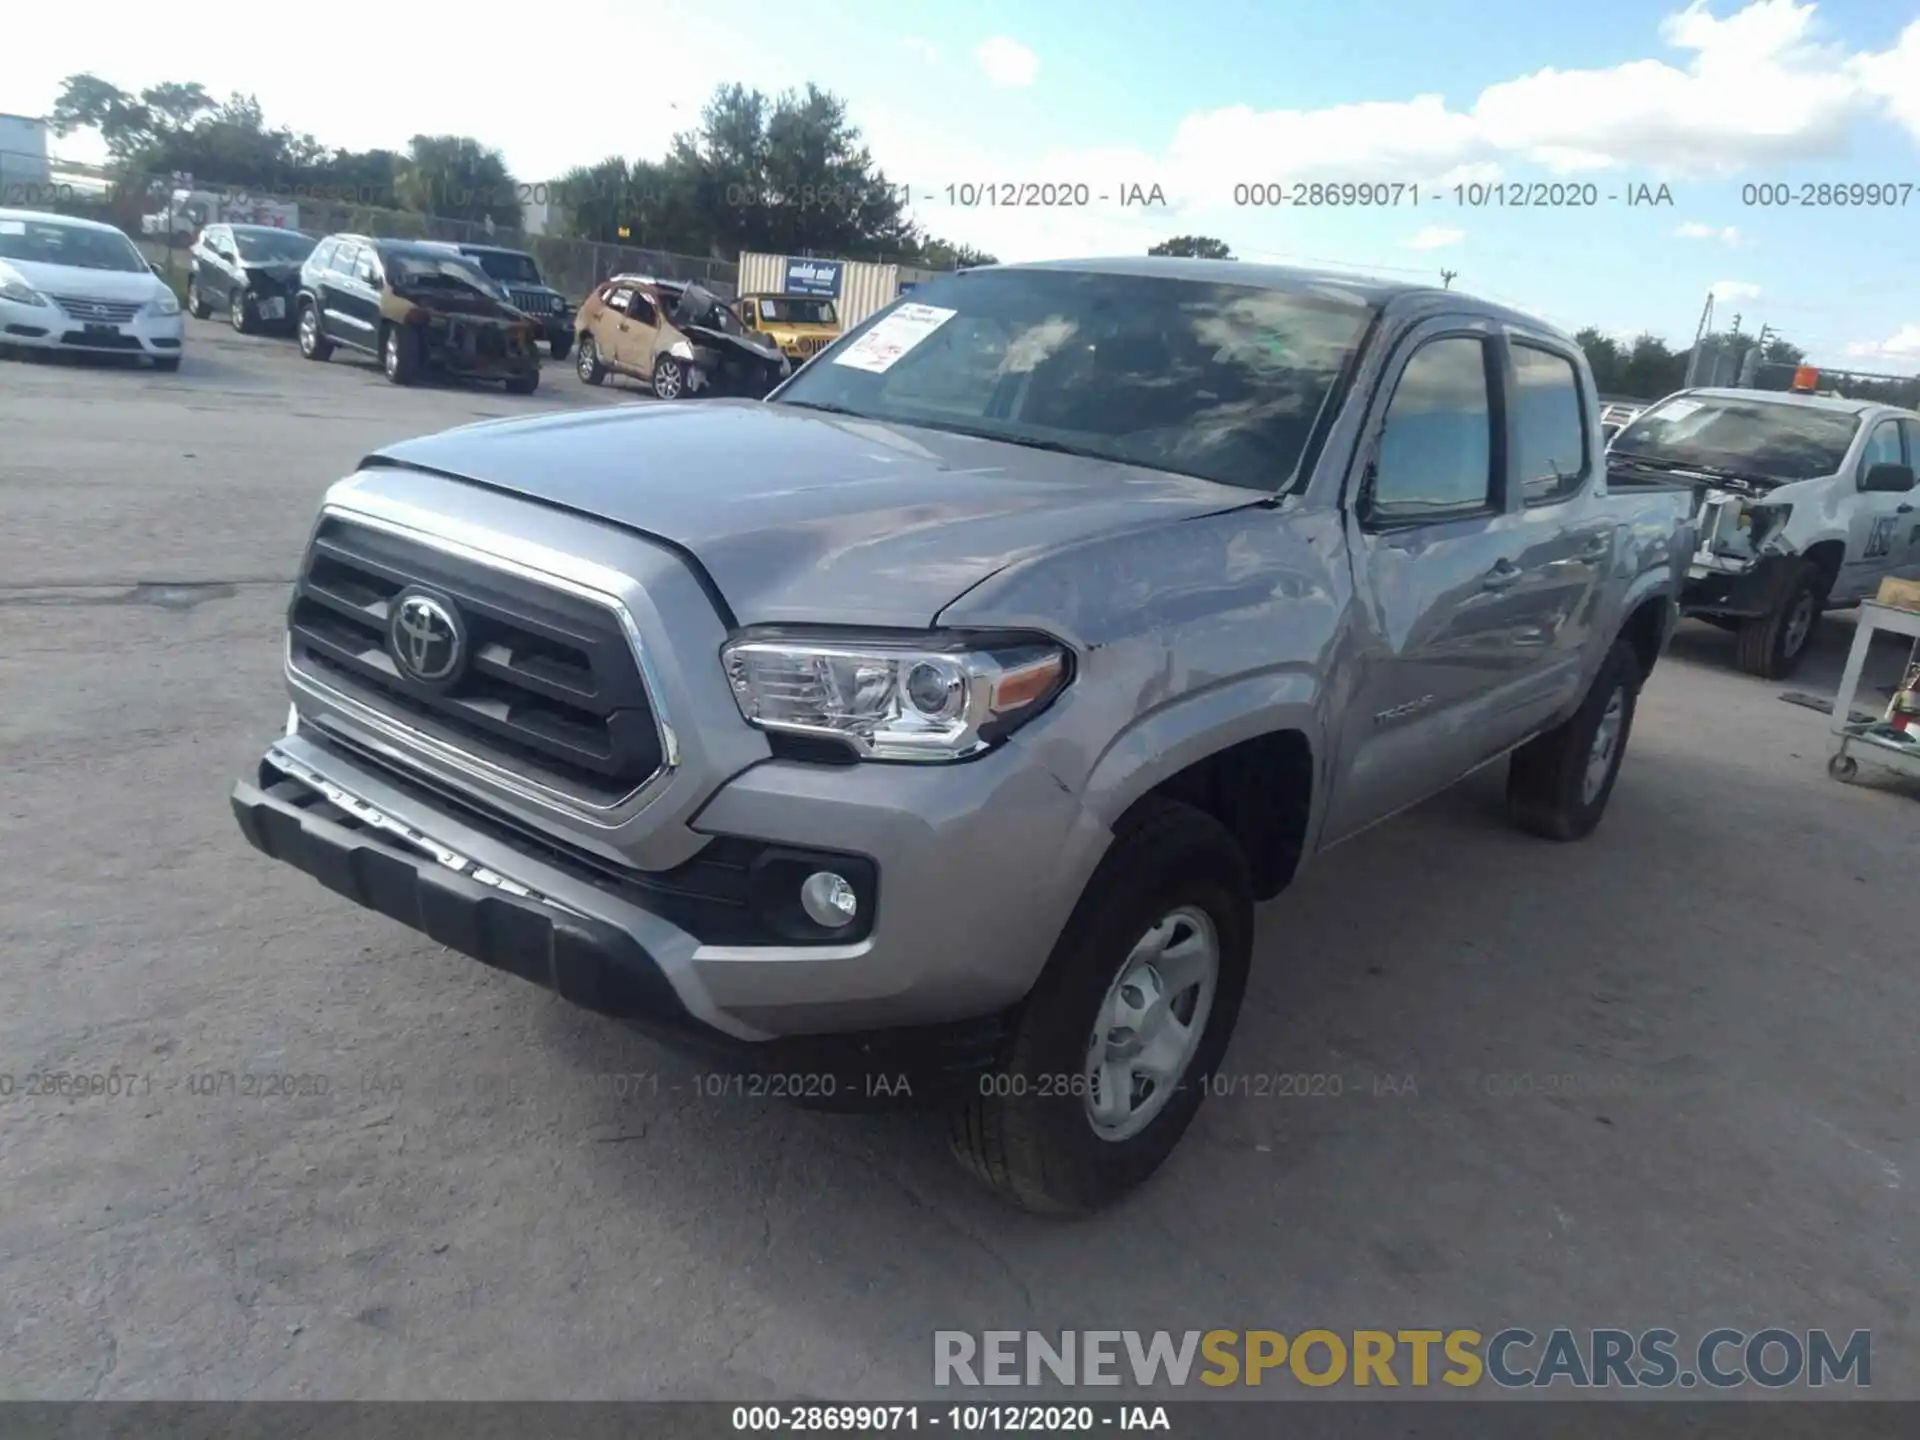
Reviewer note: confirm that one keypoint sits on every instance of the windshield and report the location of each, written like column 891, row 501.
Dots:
column 271, row 246
column 1762, row 438
column 1220, row 381
column 510, row 266
column 405, row 268
column 797, row 310
column 48, row 242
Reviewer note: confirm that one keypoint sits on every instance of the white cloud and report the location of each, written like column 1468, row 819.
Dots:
column 1007, row 62
column 1734, row 290
column 1695, row 230
column 924, row 49
column 1900, row 348
column 1434, row 237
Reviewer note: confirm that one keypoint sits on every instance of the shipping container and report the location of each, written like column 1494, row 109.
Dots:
column 24, row 169
column 857, row 287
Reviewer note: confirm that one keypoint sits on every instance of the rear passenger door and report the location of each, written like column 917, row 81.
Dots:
column 1437, row 541
column 636, row 332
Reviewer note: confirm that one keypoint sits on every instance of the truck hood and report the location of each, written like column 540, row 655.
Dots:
column 800, row 517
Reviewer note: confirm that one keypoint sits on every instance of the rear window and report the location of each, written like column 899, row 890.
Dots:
column 1769, row 439
column 1551, row 456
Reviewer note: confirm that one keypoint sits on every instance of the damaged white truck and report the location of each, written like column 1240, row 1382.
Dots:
column 1805, row 506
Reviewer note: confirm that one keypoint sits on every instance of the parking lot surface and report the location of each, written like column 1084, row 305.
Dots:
column 1661, row 1078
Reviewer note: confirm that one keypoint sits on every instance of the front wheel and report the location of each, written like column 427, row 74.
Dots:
column 559, row 345
column 400, row 354
column 669, row 378
column 313, row 344
column 241, row 313
column 1558, row 784
column 197, row 305
column 1115, row 1047
column 587, row 364
column 1772, row 645
column 524, row 384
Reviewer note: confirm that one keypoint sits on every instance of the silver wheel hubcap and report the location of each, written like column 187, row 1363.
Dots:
column 669, row 381
column 1799, row 624
column 1606, row 745
column 308, row 330
column 1150, row 1023
column 393, row 351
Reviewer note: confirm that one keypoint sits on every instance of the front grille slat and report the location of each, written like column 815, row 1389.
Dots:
column 107, row 312
column 550, row 689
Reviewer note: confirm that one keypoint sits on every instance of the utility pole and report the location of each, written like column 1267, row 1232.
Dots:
column 1446, row 279
column 1699, row 334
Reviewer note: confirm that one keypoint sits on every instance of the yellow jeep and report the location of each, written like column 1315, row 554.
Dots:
column 801, row 325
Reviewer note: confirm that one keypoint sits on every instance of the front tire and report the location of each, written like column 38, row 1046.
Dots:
column 240, row 312
column 587, row 364
column 524, row 384
column 400, row 355
column 1114, row 1049
column 669, row 378
column 559, row 345
column 197, row 305
column 1558, row 784
column 1771, row 646
column 313, row 344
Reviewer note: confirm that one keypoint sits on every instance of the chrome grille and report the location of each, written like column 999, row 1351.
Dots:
column 811, row 344
column 535, row 303
column 100, row 312
column 552, row 689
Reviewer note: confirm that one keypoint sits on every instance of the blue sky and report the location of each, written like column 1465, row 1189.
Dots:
column 1206, row 94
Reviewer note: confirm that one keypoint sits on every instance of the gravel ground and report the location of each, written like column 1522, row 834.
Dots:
column 1660, row 1078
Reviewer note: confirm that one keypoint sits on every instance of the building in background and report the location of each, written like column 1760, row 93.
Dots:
column 23, row 158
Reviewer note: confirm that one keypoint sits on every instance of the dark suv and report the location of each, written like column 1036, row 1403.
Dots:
column 418, row 306
column 519, row 272
column 250, row 271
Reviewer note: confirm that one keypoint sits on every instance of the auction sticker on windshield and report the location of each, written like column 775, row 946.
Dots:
column 886, row 342
column 13, row 227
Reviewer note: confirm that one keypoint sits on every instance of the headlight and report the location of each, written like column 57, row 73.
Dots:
column 681, row 350
column 21, row 293
column 166, row 303
column 889, row 700
column 1761, row 521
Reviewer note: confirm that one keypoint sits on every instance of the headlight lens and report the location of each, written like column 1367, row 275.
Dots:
column 681, row 350
column 166, row 303
column 893, row 701
column 20, row 293
column 1761, row 521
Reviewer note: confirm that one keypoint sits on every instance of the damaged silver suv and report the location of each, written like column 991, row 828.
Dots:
column 934, row 726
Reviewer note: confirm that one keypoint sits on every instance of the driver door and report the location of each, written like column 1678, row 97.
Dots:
column 1878, row 523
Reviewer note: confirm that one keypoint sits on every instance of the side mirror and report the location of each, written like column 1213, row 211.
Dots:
column 154, row 266
column 1888, row 478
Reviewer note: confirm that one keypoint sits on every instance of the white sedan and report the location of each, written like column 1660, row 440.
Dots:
column 80, row 286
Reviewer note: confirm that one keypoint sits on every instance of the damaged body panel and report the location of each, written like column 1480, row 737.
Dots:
column 1802, row 504
column 418, row 307
column 678, row 337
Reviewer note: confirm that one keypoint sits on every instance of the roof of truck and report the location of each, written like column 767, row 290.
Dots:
column 1794, row 397
column 1360, row 289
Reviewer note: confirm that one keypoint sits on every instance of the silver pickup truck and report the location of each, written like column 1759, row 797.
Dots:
column 934, row 726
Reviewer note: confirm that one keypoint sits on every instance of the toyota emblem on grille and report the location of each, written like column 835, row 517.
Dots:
column 427, row 639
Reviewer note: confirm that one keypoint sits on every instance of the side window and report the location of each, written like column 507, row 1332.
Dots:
column 617, row 299
column 1550, row 461
column 343, row 258
column 1910, row 432
column 322, row 257
column 1436, row 450
column 642, row 309
column 1883, row 448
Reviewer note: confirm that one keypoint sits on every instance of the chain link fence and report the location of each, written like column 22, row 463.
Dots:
column 162, row 213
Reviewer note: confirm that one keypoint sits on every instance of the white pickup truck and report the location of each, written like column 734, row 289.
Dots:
column 1805, row 504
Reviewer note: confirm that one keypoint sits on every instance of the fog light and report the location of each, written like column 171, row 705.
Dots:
column 829, row 900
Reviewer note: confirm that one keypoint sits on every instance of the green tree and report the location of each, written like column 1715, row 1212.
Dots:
column 937, row 254
column 458, row 177
column 1198, row 247
column 1652, row 370
column 1606, row 359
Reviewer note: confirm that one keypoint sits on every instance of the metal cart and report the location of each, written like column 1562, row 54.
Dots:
column 1868, row 738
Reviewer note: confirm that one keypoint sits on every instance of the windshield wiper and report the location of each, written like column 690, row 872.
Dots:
column 1719, row 472
column 824, row 408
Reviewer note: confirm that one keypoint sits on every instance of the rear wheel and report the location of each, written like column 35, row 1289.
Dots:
column 1114, row 1048
column 1772, row 645
column 313, row 344
column 669, row 378
column 1558, row 784
column 587, row 364
column 241, row 313
column 400, row 354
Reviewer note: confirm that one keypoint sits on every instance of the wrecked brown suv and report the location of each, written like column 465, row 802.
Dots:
column 676, row 335
column 418, row 306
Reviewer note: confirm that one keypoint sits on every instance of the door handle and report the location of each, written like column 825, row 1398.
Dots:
column 1503, row 574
